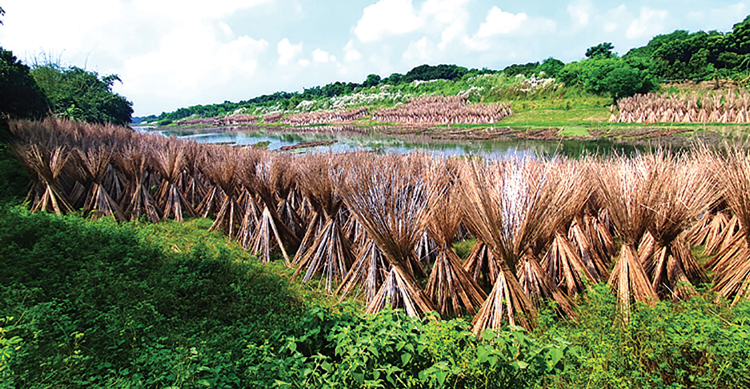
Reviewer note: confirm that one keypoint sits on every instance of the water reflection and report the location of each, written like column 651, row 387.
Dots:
column 358, row 139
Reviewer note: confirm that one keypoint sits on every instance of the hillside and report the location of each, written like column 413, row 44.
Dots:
column 546, row 93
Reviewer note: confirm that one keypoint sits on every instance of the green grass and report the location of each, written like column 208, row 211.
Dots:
column 463, row 248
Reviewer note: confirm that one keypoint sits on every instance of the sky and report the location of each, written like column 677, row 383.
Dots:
column 178, row 53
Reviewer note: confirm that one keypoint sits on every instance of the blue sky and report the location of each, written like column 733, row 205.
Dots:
column 172, row 54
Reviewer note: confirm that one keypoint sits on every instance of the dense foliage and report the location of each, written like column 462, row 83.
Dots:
column 607, row 76
column 100, row 304
column 20, row 97
column 698, row 343
column 81, row 94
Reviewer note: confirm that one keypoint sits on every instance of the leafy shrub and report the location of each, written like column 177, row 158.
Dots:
column 97, row 304
column 20, row 97
column 690, row 344
column 391, row 350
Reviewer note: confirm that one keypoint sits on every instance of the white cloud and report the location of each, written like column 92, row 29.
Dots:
column 649, row 23
column 386, row 18
column 351, row 54
column 500, row 25
column 320, row 56
column 287, row 51
column 173, row 71
column 191, row 10
column 451, row 16
column 499, row 22
column 226, row 30
column 419, row 51
column 38, row 25
column 719, row 18
column 580, row 11
column 172, row 53
column 614, row 18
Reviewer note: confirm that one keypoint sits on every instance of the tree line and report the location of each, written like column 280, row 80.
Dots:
column 677, row 56
column 50, row 88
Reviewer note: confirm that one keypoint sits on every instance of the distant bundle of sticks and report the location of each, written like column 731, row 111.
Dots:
column 324, row 116
column 382, row 227
column 718, row 107
column 230, row 120
column 444, row 110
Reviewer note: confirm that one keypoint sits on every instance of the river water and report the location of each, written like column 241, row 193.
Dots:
column 347, row 140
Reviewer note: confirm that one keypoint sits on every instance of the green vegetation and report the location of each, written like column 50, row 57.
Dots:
column 20, row 97
column 102, row 304
column 72, row 93
column 80, row 94
column 97, row 304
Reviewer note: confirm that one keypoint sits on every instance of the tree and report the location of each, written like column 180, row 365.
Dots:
column 2, row 13
column 526, row 69
column 427, row 73
column 623, row 81
column 612, row 76
column 394, row 78
column 20, row 96
column 372, row 80
column 602, row 50
column 74, row 87
column 551, row 67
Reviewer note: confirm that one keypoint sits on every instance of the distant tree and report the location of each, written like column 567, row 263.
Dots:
column 428, row 72
column 2, row 13
column 85, row 93
column 602, row 50
column 526, row 69
column 551, row 67
column 20, row 96
column 372, row 80
column 611, row 76
column 645, row 53
column 623, row 81
column 394, row 78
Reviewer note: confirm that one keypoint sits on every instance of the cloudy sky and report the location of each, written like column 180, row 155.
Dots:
column 176, row 53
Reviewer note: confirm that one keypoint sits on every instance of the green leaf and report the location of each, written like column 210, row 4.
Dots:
column 359, row 377
column 519, row 364
column 556, row 355
column 441, row 375
column 482, row 353
column 488, row 334
column 405, row 358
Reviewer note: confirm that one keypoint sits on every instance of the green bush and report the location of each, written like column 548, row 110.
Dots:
column 390, row 350
column 14, row 181
column 95, row 303
column 690, row 344
column 20, row 97
column 99, row 304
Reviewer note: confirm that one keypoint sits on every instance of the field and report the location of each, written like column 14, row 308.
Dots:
column 575, row 273
column 531, row 104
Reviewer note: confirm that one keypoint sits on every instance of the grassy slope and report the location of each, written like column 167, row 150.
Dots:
column 541, row 106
